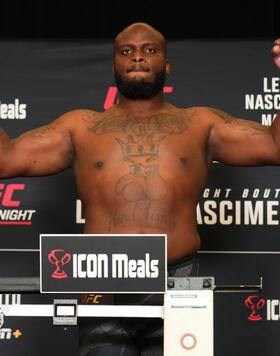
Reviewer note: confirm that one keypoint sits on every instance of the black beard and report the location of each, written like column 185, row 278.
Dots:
column 140, row 90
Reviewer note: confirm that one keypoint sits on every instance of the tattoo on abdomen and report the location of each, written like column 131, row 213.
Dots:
column 142, row 182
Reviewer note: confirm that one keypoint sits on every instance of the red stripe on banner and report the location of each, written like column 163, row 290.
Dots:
column 15, row 222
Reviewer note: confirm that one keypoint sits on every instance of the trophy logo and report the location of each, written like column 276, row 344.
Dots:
column 59, row 258
column 254, row 303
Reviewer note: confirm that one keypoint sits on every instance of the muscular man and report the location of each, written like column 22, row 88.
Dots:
column 141, row 165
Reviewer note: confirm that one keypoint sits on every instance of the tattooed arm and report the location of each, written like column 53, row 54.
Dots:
column 241, row 142
column 43, row 151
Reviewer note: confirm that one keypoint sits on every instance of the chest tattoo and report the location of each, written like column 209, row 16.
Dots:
column 142, row 188
column 156, row 124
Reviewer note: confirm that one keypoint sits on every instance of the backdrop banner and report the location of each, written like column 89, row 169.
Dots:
column 238, row 214
column 103, row 263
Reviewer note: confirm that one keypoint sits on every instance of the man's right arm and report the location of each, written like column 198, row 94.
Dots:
column 42, row 151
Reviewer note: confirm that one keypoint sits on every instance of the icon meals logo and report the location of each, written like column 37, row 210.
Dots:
column 71, row 263
column 97, row 265
column 59, row 258
column 270, row 313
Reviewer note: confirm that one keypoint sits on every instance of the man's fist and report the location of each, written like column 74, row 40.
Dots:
column 275, row 52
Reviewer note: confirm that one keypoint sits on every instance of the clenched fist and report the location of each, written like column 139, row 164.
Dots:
column 275, row 52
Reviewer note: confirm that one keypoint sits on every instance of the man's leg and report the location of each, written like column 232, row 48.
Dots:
column 106, row 337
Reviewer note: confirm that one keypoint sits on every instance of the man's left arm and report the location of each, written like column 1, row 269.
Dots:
column 242, row 142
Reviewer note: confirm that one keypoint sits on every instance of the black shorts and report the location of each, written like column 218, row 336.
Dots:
column 131, row 336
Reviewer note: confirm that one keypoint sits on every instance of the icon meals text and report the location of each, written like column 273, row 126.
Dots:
column 97, row 266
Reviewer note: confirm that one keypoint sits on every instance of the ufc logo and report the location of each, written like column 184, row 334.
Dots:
column 6, row 194
column 91, row 298
column 112, row 95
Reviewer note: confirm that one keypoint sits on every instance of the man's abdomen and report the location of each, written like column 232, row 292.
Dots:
column 148, row 218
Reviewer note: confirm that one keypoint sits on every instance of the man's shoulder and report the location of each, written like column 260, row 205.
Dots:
column 201, row 114
column 206, row 114
column 78, row 117
column 197, row 110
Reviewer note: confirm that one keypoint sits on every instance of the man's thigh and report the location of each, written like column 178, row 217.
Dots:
column 106, row 336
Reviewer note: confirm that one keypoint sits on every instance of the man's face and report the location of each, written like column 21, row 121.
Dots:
column 140, row 65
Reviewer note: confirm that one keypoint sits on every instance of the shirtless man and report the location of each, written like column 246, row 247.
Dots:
column 141, row 165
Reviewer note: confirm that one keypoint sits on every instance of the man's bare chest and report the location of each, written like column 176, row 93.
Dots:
column 155, row 160
column 142, row 158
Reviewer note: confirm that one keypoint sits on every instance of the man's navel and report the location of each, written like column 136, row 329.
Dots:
column 99, row 164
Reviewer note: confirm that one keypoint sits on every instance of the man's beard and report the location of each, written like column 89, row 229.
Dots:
column 140, row 89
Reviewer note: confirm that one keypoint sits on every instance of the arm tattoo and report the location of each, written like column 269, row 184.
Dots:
column 228, row 119
column 41, row 132
column 89, row 117
column 251, row 127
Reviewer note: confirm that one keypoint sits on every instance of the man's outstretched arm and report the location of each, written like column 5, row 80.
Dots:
column 42, row 151
column 241, row 142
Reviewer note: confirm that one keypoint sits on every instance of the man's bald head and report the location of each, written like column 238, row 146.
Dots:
column 140, row 64
column 139, row 29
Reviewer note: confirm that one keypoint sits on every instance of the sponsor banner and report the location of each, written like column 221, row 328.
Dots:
column 216, row 85
column 239, row 209
column 103, row 263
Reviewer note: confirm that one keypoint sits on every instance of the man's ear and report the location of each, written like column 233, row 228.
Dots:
column 167, row 67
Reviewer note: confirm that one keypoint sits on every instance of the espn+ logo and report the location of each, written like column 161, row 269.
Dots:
column 7, row 333
column 260, row 308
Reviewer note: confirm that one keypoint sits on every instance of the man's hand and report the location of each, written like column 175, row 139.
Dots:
column 275, row 52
